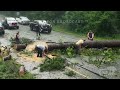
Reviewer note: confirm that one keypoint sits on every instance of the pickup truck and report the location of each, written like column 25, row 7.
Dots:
column 9, row 23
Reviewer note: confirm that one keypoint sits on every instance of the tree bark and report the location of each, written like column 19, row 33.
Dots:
column 101, row 44
column 19, row 47
column 86, row 44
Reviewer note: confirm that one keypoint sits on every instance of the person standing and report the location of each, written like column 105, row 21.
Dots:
column 79, row 45
column 17, row 38
column 38, row 31
column 90, row 35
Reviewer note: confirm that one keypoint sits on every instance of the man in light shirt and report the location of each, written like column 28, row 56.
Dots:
column 79, row 45
column 41, row 50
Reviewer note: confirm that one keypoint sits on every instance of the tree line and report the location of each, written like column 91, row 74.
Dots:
column 102, row 23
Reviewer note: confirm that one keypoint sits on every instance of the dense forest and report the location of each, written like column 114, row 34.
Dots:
column 102, row 23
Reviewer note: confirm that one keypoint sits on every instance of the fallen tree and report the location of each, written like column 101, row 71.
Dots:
column 19, row 47
column 101, row 44
column 86, row 44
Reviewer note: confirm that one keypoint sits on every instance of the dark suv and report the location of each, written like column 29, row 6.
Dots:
column 43, row 26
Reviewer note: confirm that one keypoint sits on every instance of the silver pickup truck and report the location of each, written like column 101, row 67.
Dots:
column 10, row 22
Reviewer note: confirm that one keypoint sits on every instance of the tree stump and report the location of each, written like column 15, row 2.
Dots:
column 19, row 47
column 22, row 71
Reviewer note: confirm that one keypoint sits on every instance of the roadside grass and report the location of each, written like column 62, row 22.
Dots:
column 64, row 29
column 10, row 70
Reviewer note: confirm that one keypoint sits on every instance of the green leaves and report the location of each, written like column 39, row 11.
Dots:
column 70, row 52
column 53, row 64
column 10, row 70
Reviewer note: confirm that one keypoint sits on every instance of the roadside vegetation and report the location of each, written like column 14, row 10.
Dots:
column 10, row 70
column 53, row 64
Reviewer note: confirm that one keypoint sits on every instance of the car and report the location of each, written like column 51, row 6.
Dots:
column 43, row 24
column 10, row 22
column 18, row 20
column 2, row 31
column 24, row 20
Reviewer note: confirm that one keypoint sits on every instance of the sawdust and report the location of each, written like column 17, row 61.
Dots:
column 35, row 58
column 31, row 47
column 32, row 58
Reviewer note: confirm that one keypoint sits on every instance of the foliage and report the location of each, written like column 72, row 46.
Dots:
column 99, row 57
column 70, row 73
column 25, row 40
column 53, row 64
column 10, row 69
column 70, row 52
column 22, row 40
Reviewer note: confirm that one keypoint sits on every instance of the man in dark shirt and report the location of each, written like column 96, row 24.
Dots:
column 90, row 35
column 17, row 38
column 38, row 30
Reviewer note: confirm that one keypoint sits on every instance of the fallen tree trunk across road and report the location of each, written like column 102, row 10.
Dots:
column 86, row 44
column 101, row 44
column 19, row 46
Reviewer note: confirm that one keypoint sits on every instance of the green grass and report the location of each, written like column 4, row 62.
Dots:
column 70, row 73
column 10, row 70
column 64, row 29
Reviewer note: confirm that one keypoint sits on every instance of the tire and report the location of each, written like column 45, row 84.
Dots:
column 17, row 27
column 5, row 27
column 3, row 32
column 49, row 30
column 9, row 28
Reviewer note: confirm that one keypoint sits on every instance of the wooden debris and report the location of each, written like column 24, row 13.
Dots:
column 22, row 71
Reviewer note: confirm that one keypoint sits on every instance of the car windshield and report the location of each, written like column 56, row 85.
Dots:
column 11, row 19
column 24, row 18
column 41, row 21
column 18, row 18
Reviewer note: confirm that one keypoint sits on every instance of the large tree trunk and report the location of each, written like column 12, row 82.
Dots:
column 52, row 46
column 101, row 44
column 86, row 44
column 19, row 46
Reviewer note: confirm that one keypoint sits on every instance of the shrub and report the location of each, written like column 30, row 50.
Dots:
column 70, row 73
column 53, row 64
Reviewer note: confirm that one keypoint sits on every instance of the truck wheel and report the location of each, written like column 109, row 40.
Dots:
column 3, row 32
column 49, row 31
column 17, row 27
